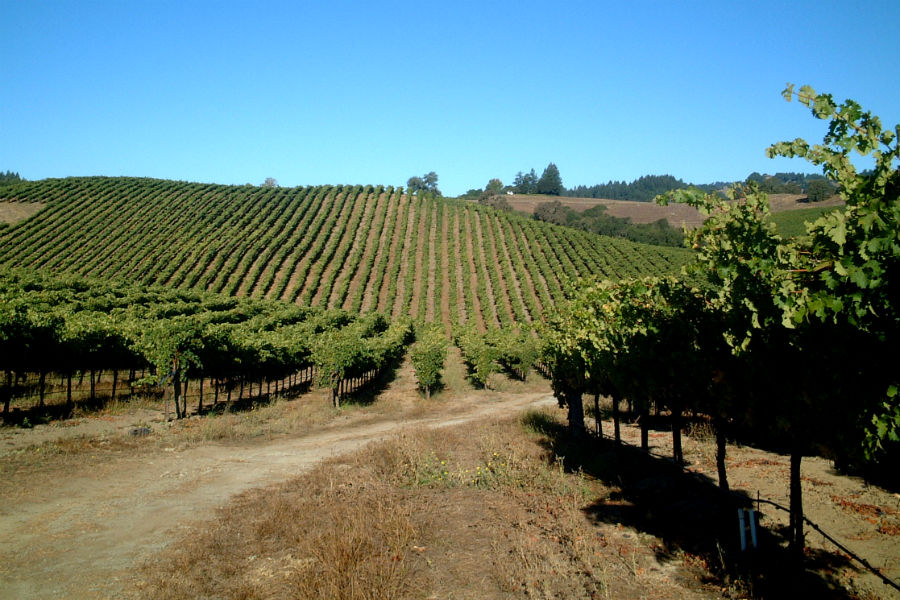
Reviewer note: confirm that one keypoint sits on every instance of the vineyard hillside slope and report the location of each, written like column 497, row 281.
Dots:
column 360, row 248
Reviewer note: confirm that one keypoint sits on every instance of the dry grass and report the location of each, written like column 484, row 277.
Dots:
column 278, row 417
column 468, row 512
column 677, row 215
column 13, row 212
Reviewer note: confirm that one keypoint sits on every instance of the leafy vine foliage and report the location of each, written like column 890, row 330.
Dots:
column 792, row 339
column 428, row 355
column 63, row 325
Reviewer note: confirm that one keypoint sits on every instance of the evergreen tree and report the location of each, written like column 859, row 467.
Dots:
column 525, row 183
column 818, row 190
column 550, row 182
column 9, row 177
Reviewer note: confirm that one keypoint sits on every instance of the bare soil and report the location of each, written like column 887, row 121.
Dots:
column 865, row 518
column 75, row 524
column 249, row 505
column 13, row 212
column 678, row 215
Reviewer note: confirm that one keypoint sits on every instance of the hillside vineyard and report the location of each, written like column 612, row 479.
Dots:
column 360, row 248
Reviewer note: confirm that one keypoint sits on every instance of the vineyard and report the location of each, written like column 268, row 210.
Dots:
column 54, row 330
column 356, row 248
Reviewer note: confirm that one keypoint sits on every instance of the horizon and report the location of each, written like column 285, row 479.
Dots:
column 353, row 93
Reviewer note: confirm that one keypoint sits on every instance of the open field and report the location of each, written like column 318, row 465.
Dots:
column 678, row 215
column 792, row 223
column 456, row 498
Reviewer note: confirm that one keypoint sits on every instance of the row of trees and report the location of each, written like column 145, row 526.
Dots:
column 9, row 177
column 427, row 356
column 642, row 189
column 816, row 187
column 648, row 187
column 549, row 184
column 795, row 340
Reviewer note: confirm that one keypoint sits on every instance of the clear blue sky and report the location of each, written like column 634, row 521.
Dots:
column 368, row 92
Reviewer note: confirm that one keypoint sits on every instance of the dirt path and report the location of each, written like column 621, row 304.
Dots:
column 82, row 538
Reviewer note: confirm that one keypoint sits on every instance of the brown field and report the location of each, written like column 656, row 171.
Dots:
column 474, row 494
column 678, row 215
column 13, row 212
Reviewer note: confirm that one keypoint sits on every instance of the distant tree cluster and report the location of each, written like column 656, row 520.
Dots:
column 648, row 187
column 819, row 189
column 9, row 177
column 494, row 195
column 426, row 183
column 550, row 182
column 525, row 183
column 270, row 182
column 596, row 220
column 792, row 183
column 642, row 189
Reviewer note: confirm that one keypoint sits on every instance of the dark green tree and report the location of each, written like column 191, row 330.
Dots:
column 552, row 212
column 550, row 182
column 525, row 183
column 494, row 186
column 10, row 177
column 426, row 183
column 818, row 190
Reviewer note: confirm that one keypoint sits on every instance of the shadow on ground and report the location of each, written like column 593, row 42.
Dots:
column 368, row 393
column 689, row 513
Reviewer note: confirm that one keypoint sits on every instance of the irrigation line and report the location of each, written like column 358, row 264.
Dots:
column 850, row 553
column 843, row 548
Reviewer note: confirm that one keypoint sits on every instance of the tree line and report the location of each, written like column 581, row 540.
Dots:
column 9, row 177
column 648, row 187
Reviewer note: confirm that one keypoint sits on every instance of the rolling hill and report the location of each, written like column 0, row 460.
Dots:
column 361, row 248
column 678, row 215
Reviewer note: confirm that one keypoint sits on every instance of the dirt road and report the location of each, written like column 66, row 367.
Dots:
column 82, row 537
